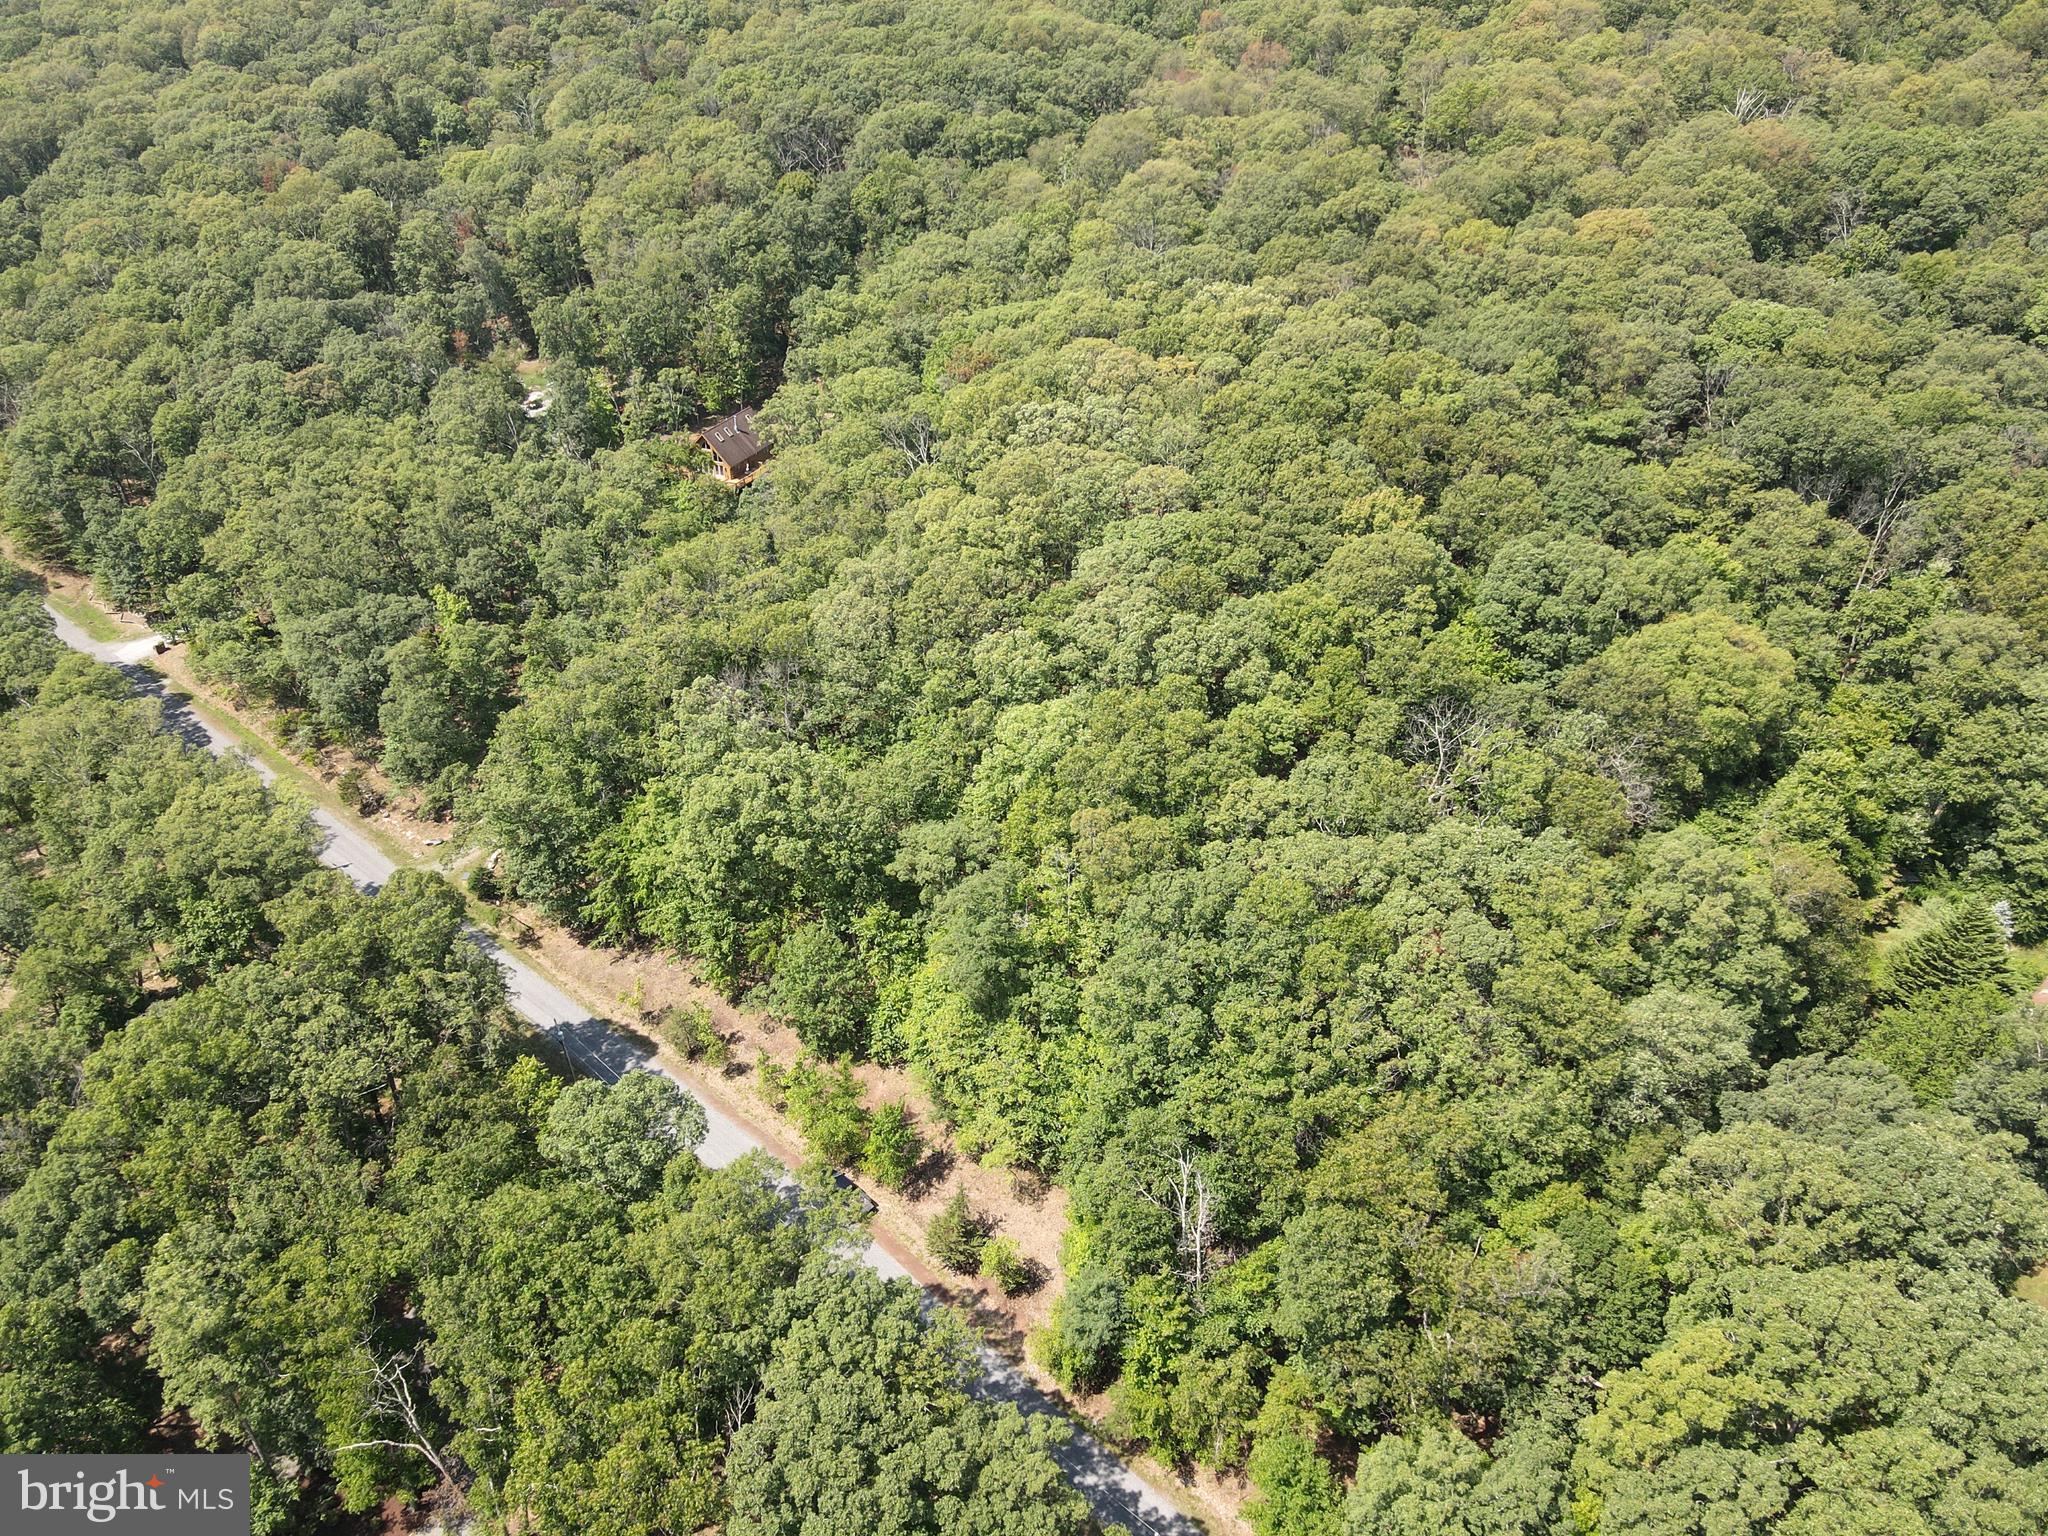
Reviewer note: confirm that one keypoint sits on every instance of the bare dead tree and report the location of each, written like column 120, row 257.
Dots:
column 392, row 1399
column 1452, row 741
column 1187, row 1200
column 1845, row 211
column 1623, row 760
column 780, row 675
column 1714, row 381
column 528, row 110
column 739, row 1407
column 138, row 442
column 913, row 437
column 1146, row 233
column 1749, row 105
column 810, row 143
column 1879, row 516
column 1420, row 83
column 767, row 694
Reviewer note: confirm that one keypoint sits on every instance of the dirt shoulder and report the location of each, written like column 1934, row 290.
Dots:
column 634, row 987
column 639, row 986
column 630, row 985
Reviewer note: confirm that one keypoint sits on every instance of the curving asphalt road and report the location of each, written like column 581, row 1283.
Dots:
column 1118, row 1495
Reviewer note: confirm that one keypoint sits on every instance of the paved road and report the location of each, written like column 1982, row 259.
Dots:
column 1116, row 1493
column 348, row 848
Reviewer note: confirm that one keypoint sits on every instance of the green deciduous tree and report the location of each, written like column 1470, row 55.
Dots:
column 864, row 1422
column 621, row 1136
column 1809, row 1398
column 1701, row 698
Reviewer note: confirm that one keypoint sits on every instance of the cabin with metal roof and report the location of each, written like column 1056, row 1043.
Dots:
column 736, row 449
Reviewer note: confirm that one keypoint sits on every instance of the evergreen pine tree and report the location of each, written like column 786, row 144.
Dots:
column 1964, row 947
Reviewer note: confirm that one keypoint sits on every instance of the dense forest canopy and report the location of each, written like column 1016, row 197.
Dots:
column 274, row 1175
column 1405, row 644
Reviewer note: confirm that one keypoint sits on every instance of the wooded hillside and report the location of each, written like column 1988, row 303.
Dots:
column 1404, row 645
